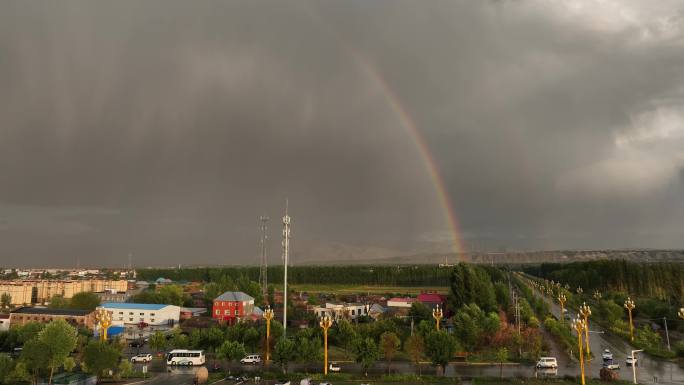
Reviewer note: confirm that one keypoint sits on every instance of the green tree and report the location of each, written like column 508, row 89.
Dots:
column 308, row 346
column 5, row 300
column 231, row 351
column 58, row 302
column 158, row 341
column 100, row 356
column 440, row 346
column 85, row 300
column 69, row 364
column 365, row 353
column 419, row 311
column 389, row 344
column 343, row 334
column 415, row 347
column 125, row 369
column 58, row 339
column 34, row 357
column 179, row 340
column 501, row 356
column 6, row 367
column 284, row 352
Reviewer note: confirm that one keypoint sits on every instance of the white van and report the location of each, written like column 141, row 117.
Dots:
column 547, row 363
column 252, row 359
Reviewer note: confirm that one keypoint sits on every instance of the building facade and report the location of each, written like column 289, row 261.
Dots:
column 24, row 315
column 136, row 313
column 341, row 310
column 232, row 306
column 26, row 292
column 404, row 302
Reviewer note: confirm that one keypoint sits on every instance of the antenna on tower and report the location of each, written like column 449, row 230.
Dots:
column 286, row 257
column 263, row 269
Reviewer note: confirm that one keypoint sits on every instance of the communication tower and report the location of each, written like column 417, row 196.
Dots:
column 263, row 270
column 286, row 257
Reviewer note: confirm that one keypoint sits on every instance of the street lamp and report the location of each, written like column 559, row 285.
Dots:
column 104, row 319
column 597, row 295
column 634, row 364
column 681, row 313
column 585, row 311
column 268, row 316
column 326, row 323
column 629, row 305
column 579, row 326
column 579, row 290
column 437, row 314
column 561, row 300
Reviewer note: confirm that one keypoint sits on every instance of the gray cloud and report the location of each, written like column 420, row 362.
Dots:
column 165, row 129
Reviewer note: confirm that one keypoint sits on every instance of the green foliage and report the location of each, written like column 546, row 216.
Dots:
column 85, row 301
column 245, row 333
column 389, row 345
column 179, row 340
column 6, row 367
column 365, row 352
column 440, row 346
column 58, row 339
column 231, row 351
column 679, row 348
column 166, row 294
column 472, row 284
column 284, row 352
column 207, row 339
column 343, row 334
column 100, row 356
column 471, row 325
column 5, row 300
column 501, row 357
column 34, row 357
column 58, row 302
column 158, row 341
column 308, row 345
column 125, row 369
column 414, row 346
column 420, row 311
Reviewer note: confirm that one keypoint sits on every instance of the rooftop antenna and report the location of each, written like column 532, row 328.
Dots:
column 286, row 257
column 263, row 270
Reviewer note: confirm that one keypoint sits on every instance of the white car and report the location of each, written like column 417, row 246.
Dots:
column 632, row 361
column 607, row 355
column 144, row 358
column 252, row 359
column 334, row 367
column 547, row 363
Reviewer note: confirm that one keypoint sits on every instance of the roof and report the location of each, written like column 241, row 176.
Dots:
column 405, row 299
column 430, row 297
column 233, row 296
column 48, row 311
column 138, row 306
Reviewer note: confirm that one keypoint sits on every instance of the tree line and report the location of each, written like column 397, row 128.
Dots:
column 417, row 275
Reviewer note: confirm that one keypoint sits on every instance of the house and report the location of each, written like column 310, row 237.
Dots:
column 404, row 302
column 148, row 313
column 24, row 315
column 341, row 310
column 376, row 311
column 190, row 312
column 432, row 300
column 4, row 322
column 232, row 306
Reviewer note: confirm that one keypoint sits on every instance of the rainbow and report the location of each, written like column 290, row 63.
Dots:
column 429, row 161
column 409, row 124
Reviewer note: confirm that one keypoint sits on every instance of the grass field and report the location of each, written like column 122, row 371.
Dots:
column 361, row 289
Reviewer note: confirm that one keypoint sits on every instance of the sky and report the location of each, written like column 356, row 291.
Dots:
column 164, row 129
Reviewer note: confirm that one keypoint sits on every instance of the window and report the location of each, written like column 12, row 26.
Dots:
column 130, row 313
column 151, row 314
column 353, row 312
column 236, row 312
column 227, row 312
column 218, row 312
column 130, row 319
column 142, row 313
column 120, row 312
column 152, row 320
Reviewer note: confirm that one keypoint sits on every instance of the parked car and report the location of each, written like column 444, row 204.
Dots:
column 251, row 359
column 607, row 355
column 144, row 358
column 632, row 361
column 334, row 367
column 610, row 364
column 305, row 381
column 136, row 343
column 547, row 362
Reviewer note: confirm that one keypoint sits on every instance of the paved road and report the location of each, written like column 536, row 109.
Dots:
column 648, row 369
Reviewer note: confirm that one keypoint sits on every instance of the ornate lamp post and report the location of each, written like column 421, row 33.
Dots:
column 585, row 311
column 579, row 326
column 597, row 295
column 268, row 316
column 104, row 320
column 681, row 313
column 561, row 300
column 326, row 323
column 437, row 314
column 629, row 305
column 579, row 290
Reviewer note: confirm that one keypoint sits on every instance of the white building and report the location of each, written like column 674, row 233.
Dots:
column 405, row 302
column 341, row 310
column 135, row 313
column 4, row 322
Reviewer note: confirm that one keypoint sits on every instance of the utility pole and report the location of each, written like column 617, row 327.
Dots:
column 667, row 334
column 263, row 269
column 286, row 257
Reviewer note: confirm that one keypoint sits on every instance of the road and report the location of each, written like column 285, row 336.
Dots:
column 648, row 370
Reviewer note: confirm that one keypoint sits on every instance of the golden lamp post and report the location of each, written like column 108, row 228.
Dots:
column 579, row 290
column 268, row 316
column 597, row 295
column 326, row 323
column 437, row 314
column 561, row 300
column 104, row 320
column 629, row 305
column 579, row 326
column 585, row 311
column 681, row 313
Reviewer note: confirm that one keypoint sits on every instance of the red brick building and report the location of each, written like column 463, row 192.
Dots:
column 232, row 307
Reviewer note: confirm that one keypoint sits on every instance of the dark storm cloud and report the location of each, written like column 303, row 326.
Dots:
column 166, row 128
